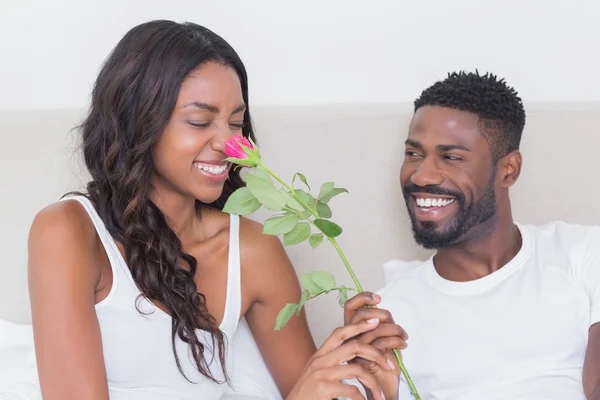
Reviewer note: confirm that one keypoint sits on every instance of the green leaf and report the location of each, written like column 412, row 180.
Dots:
column 331, row 194
column 241, row 202
column 323, row 210
column 307, row 283
column 343, row 296
column 302, row 178
column 305, row 197
column 315, row 240
column 298, row 235
column 325, row 189
column 290, row 201
column 317, row 282
column 305, row 297
column 329, row 228
column 285, row 315
column 323, row 279
column 280, row 225
column 265, row 192
column 262, row 174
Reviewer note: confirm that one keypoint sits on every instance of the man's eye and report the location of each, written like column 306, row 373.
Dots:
column 453, row 158
column 411, row 153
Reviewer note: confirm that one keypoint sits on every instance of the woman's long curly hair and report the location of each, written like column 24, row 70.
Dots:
column 132, row 102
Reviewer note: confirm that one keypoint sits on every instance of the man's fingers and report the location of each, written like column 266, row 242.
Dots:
column 368, row 313
column 383, row 331
column 359, row 301
column 389, row 343
column 344, row 333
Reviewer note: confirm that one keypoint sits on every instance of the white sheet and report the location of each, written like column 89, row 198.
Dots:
column 16, row 345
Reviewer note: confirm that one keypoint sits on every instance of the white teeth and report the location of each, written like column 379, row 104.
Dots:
column 429, row 202
column 213, row 169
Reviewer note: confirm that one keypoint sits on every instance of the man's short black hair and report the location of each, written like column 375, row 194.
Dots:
column 500, row 110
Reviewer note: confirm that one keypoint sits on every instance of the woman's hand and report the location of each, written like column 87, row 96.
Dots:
column 325, row 370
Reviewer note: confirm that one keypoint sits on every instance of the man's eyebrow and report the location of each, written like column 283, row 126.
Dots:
column 440, row 147
column 449, row 147
column 413, row 143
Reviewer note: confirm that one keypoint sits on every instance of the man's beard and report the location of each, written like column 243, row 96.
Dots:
column 426, row 233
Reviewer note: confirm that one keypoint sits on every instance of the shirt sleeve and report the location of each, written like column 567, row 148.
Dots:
column 591, row 272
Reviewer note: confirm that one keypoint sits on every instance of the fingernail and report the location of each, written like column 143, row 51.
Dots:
column 382, row 395
column 373, row 321
column 391, row 364
column 376, row 297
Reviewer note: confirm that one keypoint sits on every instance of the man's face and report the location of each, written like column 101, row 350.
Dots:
column 448, row 178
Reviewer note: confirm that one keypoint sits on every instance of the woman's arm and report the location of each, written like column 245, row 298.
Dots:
column 301, row 372
column 269, row 282
column 63, row 276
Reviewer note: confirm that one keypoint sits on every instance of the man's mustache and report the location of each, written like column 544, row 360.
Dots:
column 410, row 188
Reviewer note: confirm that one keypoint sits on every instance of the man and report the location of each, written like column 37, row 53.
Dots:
column 502, row 310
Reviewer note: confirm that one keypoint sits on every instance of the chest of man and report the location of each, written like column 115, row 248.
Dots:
column 523, row 338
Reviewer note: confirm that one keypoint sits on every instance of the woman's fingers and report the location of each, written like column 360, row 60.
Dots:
column 333, row 390
column 344, row 333
column 349, row 352
column 350, row 371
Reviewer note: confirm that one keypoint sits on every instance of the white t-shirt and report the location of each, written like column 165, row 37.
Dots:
column 519, row 333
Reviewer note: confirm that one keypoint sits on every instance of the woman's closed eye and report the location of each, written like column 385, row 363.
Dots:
column 198, row 124
column 233, row 125
column 236, row 125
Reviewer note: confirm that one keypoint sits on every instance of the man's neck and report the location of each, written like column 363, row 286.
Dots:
column 483, row 250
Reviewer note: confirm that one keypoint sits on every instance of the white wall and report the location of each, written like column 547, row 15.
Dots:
column 309, row 52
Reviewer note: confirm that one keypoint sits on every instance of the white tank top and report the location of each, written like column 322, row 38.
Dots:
column 138, row 354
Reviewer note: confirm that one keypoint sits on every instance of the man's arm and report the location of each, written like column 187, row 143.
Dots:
column 591, row 367
column 590, row 275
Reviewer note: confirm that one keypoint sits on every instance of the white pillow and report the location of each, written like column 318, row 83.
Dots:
column 16, row 346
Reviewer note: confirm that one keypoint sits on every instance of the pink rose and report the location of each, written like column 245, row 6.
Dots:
column 233, row 147
column 242, row 151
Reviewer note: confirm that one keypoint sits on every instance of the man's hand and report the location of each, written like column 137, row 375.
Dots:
column 326, row 369
column 386, row 337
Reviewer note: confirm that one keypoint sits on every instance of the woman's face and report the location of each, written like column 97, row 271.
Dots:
column 188, row 157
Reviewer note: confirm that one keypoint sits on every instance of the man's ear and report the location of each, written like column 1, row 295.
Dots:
column 509, row 167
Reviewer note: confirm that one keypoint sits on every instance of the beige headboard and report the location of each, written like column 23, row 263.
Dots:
column 360, row 147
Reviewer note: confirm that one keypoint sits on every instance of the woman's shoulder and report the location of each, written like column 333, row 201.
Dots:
column 65, row 217
column 64, row 226
column 63, row 247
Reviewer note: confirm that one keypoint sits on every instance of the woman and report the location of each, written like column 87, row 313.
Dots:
column 137, row 285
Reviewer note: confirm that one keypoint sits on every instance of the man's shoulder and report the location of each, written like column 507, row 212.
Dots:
column 562, row 230
column 399, row 269
column 564, row 237
column 400, row 272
